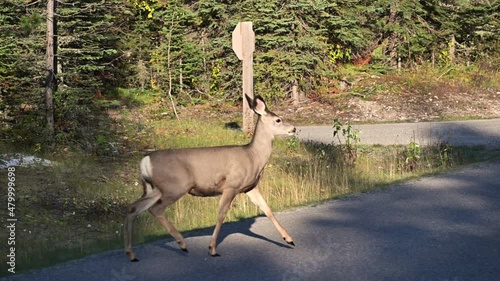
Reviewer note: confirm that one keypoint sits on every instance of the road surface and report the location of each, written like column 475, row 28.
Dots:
column 439, row 228
column 468, row 133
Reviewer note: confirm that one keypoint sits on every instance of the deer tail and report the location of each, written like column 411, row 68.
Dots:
column 146, row 175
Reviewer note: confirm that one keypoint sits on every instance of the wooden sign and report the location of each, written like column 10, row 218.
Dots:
column 243, row 41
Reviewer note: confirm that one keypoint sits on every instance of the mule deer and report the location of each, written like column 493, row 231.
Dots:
column 167, row 175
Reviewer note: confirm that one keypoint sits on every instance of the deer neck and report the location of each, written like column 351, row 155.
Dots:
column 261, row 145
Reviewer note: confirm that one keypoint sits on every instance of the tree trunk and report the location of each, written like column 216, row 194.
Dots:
column 50, row 84
column 295, row 93
column 170, row 70
column 181, row 85
column 452, row 48
column 394, row 36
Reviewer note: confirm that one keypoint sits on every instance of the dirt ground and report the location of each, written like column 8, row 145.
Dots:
column 369, row 102
column 400, row 108
column 379, row 108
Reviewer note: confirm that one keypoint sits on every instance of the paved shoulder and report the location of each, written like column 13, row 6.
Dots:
column 445, row 227
column 470, row 133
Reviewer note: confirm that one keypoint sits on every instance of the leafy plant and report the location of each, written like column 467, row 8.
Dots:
column 444, row 154
column 412, row 156
column 338, row 54
column 292, row 143
column 214, row 86
column 348, row 144
column 104, row 147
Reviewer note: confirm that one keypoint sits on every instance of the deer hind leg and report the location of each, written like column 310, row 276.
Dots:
column 258, row 200
column 139, row 206
column 224, row 204
column 157, row 210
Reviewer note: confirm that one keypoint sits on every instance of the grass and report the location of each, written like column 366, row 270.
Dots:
column 77, row 207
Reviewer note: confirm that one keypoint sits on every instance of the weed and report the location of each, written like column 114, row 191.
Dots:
column 445, row 150
column 292, row 143
column 104, row 147
column 412, row 156
column 215, row 84
column 337, row 54
column 349, row 144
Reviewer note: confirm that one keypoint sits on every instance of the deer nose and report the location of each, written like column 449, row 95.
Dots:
column 293, row 130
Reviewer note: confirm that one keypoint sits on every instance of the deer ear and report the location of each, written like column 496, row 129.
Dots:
column 257, row 104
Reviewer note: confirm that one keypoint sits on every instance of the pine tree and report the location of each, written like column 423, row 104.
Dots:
column 479, row 29
column 401, row 29
column 291, row 48
column 21, row 70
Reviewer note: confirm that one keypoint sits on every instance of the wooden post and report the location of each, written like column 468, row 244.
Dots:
column 244, row 46
column 452, row 46
column 50, row 82
column 295, row 93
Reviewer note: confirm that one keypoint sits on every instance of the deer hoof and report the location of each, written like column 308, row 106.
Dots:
column 212, row 252
column 289, row 242
column 131, row 256
column 185, row 250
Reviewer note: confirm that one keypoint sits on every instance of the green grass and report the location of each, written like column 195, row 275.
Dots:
column 133, row 97
column 77, row 207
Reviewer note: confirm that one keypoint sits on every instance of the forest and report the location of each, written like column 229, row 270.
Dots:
column 181, row 52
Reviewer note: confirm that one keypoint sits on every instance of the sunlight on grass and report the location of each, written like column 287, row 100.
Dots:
column 194, row 133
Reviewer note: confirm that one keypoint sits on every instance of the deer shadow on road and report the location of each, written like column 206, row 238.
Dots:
column 229, row 228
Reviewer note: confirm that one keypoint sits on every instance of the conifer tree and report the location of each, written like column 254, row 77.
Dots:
column 22, row 34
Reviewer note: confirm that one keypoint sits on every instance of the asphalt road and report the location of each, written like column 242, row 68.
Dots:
column 445, row 227
column 468, row 133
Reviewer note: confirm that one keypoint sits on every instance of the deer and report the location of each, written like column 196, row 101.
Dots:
column 224, row 171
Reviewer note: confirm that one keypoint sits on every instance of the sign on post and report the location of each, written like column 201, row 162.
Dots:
column 244, row 46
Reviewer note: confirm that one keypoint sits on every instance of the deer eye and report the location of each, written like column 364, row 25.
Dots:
column 278, row 120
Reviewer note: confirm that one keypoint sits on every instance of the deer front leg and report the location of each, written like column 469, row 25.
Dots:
column 224, row 204
column 258, row 200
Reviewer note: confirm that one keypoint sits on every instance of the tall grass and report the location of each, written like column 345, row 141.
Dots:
column 78, row 206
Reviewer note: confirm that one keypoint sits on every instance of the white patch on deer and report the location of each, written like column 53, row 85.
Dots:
column 147, row 172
